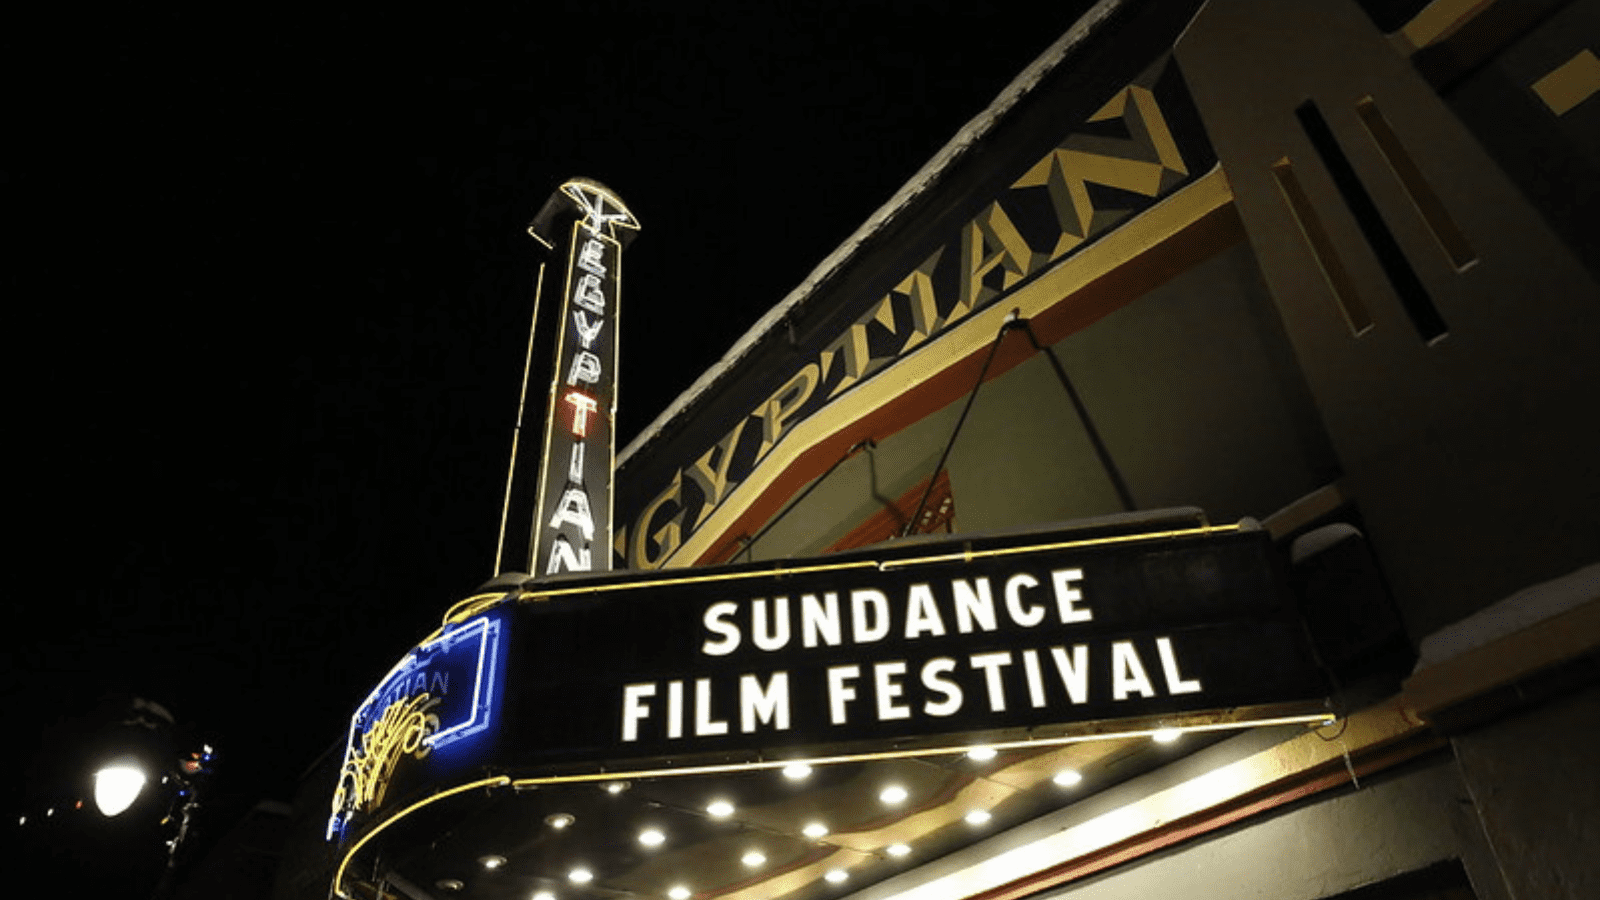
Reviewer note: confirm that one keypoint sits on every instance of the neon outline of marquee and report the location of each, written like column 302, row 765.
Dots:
column 486, row 631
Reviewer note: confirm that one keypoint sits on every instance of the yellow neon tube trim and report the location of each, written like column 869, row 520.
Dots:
column 1320, row 718
column 541, row 593
column 338, row 877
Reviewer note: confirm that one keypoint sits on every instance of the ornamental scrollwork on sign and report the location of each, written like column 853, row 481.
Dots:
column 402, row 730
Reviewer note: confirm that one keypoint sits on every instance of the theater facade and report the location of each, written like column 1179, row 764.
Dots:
column 1185, row 485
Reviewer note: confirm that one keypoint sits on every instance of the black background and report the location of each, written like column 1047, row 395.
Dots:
column 267, row 285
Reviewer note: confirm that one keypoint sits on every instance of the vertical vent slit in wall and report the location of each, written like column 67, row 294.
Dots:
column 1339, row 282
column 1438, row 219
column 1402, row 277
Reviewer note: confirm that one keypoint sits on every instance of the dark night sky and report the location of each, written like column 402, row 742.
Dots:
column 268, row 291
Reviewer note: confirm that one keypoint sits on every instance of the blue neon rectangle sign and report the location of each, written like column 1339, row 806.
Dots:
column 458, row 668
column 441, row 694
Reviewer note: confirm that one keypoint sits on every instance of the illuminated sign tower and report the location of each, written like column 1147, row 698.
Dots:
column 571, row 526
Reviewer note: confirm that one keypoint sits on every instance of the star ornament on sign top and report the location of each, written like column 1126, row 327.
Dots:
column 603, row 213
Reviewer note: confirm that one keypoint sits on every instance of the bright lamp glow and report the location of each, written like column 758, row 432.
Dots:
column 116, row 787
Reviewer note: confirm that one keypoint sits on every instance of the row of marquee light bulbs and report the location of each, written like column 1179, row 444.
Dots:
column 720, row 808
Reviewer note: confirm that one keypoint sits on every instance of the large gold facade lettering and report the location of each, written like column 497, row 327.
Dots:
column 776, row 413
column 1145, row 164
column 667, row 537
column 710, row 472
column 992, row 230
column 994, row 257
column 917, row 288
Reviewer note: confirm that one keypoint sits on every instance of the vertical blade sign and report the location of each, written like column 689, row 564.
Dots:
column 572, row 517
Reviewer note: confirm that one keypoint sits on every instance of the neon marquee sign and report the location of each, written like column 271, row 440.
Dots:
column 572, row 516
column 445, row 691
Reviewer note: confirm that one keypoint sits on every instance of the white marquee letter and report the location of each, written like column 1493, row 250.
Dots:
column 860, row 602
column 933, row 672
column 974, row 603
column 1066, row 595
column 674, row 709
column 886, row 680
column 1169, row 667
column 776, row 638
column 921, row 613
column 703, row 723
column 634, row 708
column 1127, row 672
column 1074, row 672
column 991, row 664
column 840, row 693
column 716, row 622
column 1026, row 617
column 820, row 619
column 770, row 706
column 1030, row 665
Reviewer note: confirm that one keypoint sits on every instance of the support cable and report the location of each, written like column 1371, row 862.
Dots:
column 516, row 430
column 1011, row 322
column 1117, row 483
column 749, row 544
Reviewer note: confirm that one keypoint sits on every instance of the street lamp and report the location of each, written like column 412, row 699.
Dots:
column 141, row 747
column 117, row 785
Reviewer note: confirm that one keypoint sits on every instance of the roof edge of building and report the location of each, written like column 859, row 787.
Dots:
column 926, row 179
